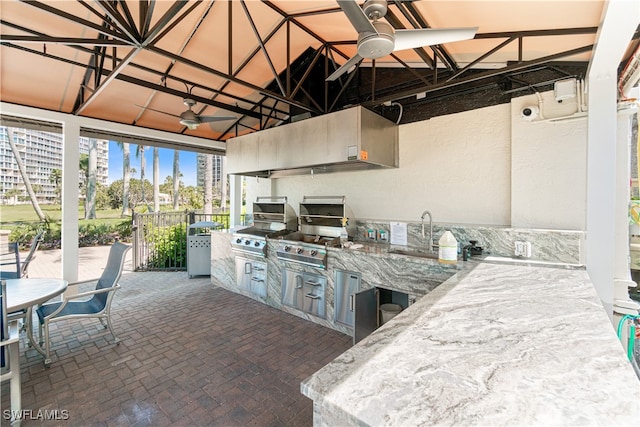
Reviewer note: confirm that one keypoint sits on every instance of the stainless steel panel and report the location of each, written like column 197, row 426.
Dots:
column 259, row 279
column 366, row 314
column 292, row 288
column 354, row 138
column 251, row 277
column 346, row 284
column 313, row 289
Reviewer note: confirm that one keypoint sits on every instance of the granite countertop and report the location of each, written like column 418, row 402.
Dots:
column 496, row 344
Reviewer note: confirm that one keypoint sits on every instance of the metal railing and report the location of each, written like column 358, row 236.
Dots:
column 160, row 238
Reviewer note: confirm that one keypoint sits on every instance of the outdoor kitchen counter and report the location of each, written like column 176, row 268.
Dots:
column 495, row 344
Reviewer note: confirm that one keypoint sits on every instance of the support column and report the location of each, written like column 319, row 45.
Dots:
column 70, row 202
column 607, row 246
column 235, row 200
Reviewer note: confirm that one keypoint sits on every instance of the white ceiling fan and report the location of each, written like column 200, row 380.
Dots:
column 192, row 120
column 378, row 38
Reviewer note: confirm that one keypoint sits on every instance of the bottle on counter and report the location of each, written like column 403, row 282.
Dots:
column 344, row 234
column 448, row 248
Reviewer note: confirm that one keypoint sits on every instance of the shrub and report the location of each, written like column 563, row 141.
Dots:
column 90, row 234
column 169, row 248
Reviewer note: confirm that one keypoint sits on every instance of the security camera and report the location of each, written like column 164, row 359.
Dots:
column 529, row 113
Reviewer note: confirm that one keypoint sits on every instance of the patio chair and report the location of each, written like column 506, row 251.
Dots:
column 98, row 306
column 32, row 254
column 10, row 356
column 10, row 262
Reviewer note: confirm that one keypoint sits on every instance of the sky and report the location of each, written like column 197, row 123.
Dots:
column 187, row 164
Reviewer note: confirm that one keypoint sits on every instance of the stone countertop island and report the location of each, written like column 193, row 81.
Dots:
column 494, row 345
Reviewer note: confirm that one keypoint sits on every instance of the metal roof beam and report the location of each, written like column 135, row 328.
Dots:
column 484, row 75
column 228, row 77
column 62, row 40
column 263, row 48
column 119, row 21
column 76, row 20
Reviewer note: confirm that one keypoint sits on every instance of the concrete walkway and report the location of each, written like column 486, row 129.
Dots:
column 91, row 262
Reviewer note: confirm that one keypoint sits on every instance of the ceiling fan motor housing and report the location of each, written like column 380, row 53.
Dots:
column 375, row 9
column 189, row 119
column 373, row 46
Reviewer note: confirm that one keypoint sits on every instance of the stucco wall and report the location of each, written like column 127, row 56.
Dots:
column 549, row 164
column 486, row 166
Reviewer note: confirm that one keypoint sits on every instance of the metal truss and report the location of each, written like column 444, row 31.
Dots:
column 122, row 36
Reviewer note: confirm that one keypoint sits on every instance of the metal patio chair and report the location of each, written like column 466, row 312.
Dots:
column 32, row 254
column 10, row 356
column 98, row 306
column 10, row 262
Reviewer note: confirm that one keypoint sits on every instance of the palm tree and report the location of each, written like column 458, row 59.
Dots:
column 156, row 180
column 208, row 184
column 84, row 185
column 140, row 154
column 126, row 177
column 91, row 171
column 25, row 177
column 56, row 179
column 176, row 180
column 223, row 185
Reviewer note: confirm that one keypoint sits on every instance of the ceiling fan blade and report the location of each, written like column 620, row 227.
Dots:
column 356, row 15
column 210, row 119
column 158, row 111
column 411, row 39
column 355, row 60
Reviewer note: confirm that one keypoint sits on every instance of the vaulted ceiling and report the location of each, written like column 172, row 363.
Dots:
column 262, row 62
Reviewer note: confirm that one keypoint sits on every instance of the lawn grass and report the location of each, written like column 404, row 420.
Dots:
column 11, row 216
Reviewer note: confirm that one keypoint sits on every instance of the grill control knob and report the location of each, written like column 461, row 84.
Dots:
column 256, row 244
column 247, row 242
column 314, row 252
column 287, row 248
column 299, row 250
column 238, row 240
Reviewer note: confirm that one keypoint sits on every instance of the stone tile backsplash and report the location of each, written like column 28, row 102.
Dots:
column 547, row 245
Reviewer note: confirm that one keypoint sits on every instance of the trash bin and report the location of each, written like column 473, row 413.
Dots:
column 199, row 248
column 389, row 311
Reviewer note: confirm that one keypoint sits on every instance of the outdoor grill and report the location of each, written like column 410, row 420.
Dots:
column 319, row 226
column 272, row 217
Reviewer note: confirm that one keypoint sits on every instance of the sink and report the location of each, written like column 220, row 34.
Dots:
column 421, row 253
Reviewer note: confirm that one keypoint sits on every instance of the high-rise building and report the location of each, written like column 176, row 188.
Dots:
column 41, row 153
column 217, row 169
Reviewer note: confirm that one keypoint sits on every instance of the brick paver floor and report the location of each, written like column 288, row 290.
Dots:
column 190, row 354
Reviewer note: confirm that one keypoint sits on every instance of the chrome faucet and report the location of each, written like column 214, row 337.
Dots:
column 430, row 243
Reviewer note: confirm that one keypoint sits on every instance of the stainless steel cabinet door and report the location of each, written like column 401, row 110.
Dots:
column 313, row 287
column 292, row 288
column 251, row 277
column 259, row 279
column 243, row 274
column 347, row 284
column 366, row 315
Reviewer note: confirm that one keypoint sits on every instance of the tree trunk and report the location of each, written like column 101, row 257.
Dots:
column 223, row 184
column 208, row 184
column 25, row 177
column 90, row 212
column 142, row 165
column 176, row 180
column 156, row 179
column 126, row 178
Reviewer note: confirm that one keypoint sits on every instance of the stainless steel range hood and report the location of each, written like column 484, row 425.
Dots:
column 351, row 139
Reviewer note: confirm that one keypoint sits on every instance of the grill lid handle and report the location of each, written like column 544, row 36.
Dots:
column 272, row 198
column 305, row 198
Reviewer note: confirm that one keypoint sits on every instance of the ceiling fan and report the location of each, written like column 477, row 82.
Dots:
column 192, row 120
column 378, row 38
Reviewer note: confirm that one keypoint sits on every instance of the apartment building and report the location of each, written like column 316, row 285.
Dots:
column 41, row 153
column 217, row 169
